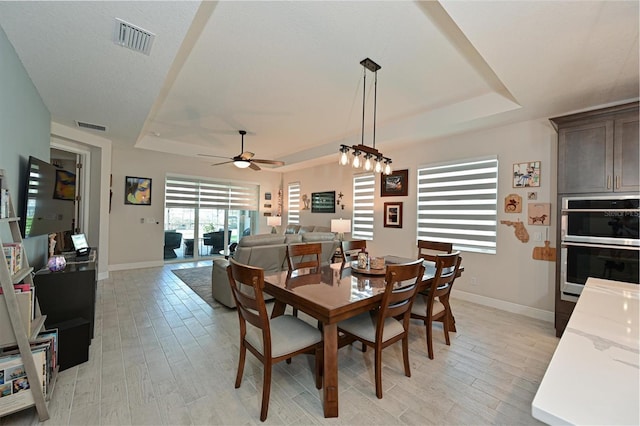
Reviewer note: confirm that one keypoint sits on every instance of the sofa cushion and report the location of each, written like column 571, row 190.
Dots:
column 322, row 229
column 292, row 238
column 292, row 229
column 261, row 240
column 308, row 228
column 318, row 236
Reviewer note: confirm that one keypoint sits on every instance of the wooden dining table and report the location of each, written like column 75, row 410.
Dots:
column 330, row 295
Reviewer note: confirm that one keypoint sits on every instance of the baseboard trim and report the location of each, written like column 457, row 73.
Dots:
column 505, row 306
column 138, row 265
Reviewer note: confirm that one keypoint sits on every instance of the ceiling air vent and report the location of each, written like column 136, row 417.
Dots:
column 91, row 126
column 132, row 37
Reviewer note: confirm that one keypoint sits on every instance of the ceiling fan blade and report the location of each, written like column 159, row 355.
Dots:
column 254, row 166
column 247, row 155
column 273, row 162
column 214, row 156
column 224, row 162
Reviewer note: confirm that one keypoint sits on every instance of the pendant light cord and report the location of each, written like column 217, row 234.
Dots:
column 364, row 87
column 375, row 104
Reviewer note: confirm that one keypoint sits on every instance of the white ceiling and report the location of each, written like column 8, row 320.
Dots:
column 289, row 72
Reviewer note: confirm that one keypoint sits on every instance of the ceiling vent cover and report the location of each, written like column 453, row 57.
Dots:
column 132, row 37
column 91, row 126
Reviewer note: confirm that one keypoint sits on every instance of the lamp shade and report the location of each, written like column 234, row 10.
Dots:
column 274, row 220
column 340, row 225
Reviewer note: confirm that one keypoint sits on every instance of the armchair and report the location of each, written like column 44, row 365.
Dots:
column 172, row 241
column 215, row 240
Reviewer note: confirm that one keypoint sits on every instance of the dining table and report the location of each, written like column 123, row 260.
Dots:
column 330, row 294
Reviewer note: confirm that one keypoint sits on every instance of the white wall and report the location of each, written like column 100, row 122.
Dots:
column 511, row 279
column 133, row 244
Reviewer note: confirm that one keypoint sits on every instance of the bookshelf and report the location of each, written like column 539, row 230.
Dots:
column 16, row 333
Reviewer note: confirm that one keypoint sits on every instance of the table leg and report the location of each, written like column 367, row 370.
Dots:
column 330, row 370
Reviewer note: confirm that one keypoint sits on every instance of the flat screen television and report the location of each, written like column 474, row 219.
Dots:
column 49, row 200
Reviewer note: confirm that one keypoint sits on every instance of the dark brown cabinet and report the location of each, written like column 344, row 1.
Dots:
column 598, row 151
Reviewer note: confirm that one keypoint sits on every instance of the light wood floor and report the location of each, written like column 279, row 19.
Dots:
column 163, row 356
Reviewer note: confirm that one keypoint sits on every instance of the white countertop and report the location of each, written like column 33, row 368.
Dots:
column 594, row 375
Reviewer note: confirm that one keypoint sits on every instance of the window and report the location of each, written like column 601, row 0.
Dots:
column 293, row 203
column 199, row 208
column 363, row 195
column 457, row 202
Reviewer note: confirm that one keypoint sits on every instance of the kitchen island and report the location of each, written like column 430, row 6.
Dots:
column 594, row 375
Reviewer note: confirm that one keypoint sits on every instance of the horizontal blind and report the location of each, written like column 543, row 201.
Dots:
column 457, row 203
column 293, row 203
column 190, row 193
column 363, row 196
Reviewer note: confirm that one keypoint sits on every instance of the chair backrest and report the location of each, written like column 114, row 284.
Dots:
column 428, row 250
column 251, row 307
column 350, row 249
column 447, row 266
column 304, row 255
column 401, row 286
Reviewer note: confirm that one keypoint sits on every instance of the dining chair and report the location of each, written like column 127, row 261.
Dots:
column 429, row 249
column 350, row 249
column 269, row 340
column 390, row 323
column 301, row 256
column 434, row 305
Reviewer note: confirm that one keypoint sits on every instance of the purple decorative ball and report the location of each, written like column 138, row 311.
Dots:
column 56, row 263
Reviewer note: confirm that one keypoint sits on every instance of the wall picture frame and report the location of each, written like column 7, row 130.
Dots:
column 526, row 175
column 323, row 202
column 65, row 187
column 395, row 185
column 393, row 215
column 137, row 191
column 539, row 214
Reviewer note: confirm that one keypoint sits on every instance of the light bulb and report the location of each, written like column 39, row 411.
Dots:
column 378, row 168
column 344, row 159
column 356, row 161
column 367, row 163
column 387, row 169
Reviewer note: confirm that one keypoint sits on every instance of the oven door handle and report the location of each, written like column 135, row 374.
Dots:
column 604, row 246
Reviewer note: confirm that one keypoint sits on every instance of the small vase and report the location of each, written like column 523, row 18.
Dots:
column 56, row 263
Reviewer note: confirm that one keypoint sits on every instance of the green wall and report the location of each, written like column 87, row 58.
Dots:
column 25, row 126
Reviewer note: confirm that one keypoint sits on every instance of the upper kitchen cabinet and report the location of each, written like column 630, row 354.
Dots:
column 599, row 151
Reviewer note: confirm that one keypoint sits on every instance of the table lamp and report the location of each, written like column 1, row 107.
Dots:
column 274, row 221
column 340, row 226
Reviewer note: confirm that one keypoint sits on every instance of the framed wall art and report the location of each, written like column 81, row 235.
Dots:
column 526, row 175
column 395, row 184
column 393, row 215
column 65, row 188
column 323, row 202
column 539, row 214
column 137, row 191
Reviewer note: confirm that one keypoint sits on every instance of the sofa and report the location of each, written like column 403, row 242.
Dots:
column 269, row 252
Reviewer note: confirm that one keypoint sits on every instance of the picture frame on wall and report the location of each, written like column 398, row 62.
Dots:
column 395, row 184
column 137, row 191
column 526, row 175
column 323, row 202
column 393, row 215
column 65, row 188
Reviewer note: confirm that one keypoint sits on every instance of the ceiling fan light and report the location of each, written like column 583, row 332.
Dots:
column 241, row 164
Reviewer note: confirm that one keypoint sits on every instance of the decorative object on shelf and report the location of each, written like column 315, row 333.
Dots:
column 393, row 215
column 532, row 196
column 274, row 221
column 520, row 230
column 137, row 191
column 245, row 158
column 373, row 159
column 526, row 174
column 363, row 259
column 306, row 201
column 395, row 184
column 340, row 226
column 52, row 244
column 513, row 203
column 539, row 214
column 56, row 263
column 323, row 202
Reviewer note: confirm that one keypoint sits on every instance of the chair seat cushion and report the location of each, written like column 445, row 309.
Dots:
column 288, row 334
column 420, row 306
column 363, row 326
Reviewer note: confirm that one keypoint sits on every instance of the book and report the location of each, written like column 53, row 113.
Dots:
column 15, row 389
column 25, row 302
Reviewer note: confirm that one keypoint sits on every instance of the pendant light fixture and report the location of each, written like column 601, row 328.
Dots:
column 364, row 156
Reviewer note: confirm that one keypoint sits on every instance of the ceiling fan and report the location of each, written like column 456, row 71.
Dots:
column 245, row 159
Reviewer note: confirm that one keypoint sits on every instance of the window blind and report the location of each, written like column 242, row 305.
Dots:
column 457, row 202
column 189, row 193
column 363, row 196
column 293, row 203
